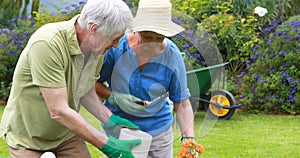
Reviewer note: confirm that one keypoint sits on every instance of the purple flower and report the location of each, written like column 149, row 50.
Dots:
column 82, row 2
column 64, row 12
column 197, row 40
column 291, row 99
column 289, row 79
column 255, row 56
column 242, row 96
column 177, row 21
column 241, row 74
column 265, row 54
column 263, row 81
column 203, row 63
column 272, row 55
column 282, row 52
column 283, row 75
column 257, row 77
column 271, row 71
column 188, row 32
column 285, row 32
column 186, row 51
column 187, row 45
column 255, row 48
column 178, row 36
column 293, row 91
column 11, row 53
column 270, row 41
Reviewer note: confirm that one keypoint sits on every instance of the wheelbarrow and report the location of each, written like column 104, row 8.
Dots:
column 220, row 104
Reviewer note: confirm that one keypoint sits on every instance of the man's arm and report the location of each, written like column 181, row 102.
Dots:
column 185, row 116
column 57, row 102
column 95, row 106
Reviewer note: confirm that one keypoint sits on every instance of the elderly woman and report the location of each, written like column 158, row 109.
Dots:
column 55, row 75
column 149, row 66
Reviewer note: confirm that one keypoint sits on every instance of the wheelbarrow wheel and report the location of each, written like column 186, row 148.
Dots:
column 223, row 98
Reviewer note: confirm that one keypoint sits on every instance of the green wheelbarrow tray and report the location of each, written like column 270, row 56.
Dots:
column 220, row 104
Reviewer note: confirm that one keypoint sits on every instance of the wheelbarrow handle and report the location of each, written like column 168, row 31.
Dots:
column 217, row 104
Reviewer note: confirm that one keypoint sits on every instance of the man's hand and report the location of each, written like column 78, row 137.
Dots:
column 115, row 148
column 116, row 123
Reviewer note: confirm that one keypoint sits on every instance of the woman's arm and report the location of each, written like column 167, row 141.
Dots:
column 185, row 116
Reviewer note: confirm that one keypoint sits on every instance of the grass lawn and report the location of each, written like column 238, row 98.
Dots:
column 243, row 136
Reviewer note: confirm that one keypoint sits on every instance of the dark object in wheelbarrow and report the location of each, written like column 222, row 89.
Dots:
column 220, row 104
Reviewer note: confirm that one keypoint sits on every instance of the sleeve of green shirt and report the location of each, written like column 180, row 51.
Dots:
column 46, row 65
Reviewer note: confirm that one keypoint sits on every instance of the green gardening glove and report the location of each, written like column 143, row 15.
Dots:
column 126, row 102
column 115, row 148
column 116, row 123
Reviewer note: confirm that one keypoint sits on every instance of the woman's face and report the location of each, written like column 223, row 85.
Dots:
column 148, row 36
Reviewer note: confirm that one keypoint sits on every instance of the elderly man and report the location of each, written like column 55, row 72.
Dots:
column 55, row 74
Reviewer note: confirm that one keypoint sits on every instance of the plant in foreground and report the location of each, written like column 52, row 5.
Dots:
column 190, row 149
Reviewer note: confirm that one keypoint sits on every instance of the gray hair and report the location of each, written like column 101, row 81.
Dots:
column 113, row 16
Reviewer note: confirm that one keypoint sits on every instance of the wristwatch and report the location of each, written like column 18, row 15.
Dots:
column 183, row 139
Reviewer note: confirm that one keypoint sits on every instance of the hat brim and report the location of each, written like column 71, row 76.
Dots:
column 169, row 30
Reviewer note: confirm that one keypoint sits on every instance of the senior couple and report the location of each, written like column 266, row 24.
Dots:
column 57, row 71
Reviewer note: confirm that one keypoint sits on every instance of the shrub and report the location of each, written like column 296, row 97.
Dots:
column 195, row 8
column 45, row 16
column 271, row 83
column 13, row 39
column 195, row 42
column 14, row 36
column 234, row 35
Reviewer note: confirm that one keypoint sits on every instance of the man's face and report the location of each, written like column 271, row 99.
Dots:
column 98, row 43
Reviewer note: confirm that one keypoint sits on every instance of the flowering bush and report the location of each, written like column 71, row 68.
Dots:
column 271, row 83
column 190, row 149
column 234, row 35
column 14, row 36
column 13, row 39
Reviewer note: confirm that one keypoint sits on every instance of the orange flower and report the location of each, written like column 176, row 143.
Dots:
column 190, row 149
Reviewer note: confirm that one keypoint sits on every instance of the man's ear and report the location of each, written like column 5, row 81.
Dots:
column 94, row 27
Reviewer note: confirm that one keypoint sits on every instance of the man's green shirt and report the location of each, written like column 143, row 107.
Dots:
column 52, row 58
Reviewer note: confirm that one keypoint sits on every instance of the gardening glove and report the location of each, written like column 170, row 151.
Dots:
column 190, row 147
column 116, row 123
column 126, row 102
column 115, row 148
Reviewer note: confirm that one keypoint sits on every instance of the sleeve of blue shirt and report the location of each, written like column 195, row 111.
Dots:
column 178, row 88
column 107, row 67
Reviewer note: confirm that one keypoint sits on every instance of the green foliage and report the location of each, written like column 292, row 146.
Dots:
column 45, row 16
column 272, row 82
column 277, row 9
column 195, row 8
column 10, row 9
column 234, row 35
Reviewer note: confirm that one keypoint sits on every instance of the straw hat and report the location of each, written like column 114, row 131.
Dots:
column 155, row 16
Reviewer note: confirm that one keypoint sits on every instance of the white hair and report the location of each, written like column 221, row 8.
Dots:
column 113, row 16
